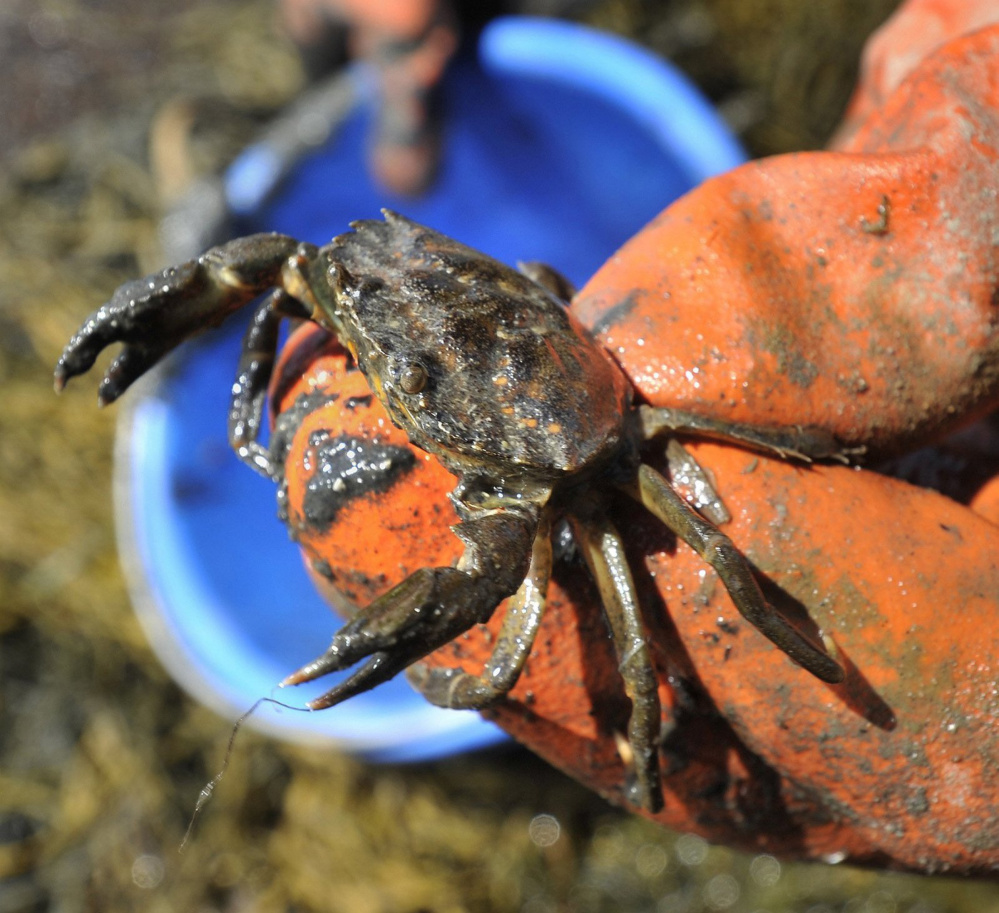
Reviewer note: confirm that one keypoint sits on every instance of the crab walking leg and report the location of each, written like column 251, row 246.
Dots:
column 253, row 373
column 603, row 551
column 799, row 442
column 430, row 607
column 460, row 690
column 655, row 493
column 690, row 476
column 154, row 315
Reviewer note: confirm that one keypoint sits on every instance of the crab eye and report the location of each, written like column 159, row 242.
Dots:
column 413, row 378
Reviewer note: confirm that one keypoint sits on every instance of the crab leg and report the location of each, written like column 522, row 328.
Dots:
column 154, row 315
column 603, row 550
column 655, row 493
column 253, row 373
column 430, row 607
column 800, row 442
column 694, row 483
column 459, row 690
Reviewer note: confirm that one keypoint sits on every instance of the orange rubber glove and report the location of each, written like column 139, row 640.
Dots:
column 894, row 767
column 854, row 289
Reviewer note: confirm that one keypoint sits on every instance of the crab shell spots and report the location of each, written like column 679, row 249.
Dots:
column 511, row 376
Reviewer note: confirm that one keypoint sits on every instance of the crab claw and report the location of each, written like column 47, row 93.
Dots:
column 150, row 316
column 154, row 315
column 379, row 668
column 424, row 612
column 428, row 609
column 408, row 622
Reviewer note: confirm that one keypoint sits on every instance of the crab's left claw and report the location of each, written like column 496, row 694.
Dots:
column 429, row 608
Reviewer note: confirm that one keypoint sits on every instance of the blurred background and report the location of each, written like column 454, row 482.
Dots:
column 109, row 109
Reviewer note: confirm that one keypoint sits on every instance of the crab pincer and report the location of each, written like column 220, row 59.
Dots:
column 152, row 316
column 428, row 609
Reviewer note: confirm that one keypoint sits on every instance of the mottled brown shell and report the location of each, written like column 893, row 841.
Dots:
column 506, row 374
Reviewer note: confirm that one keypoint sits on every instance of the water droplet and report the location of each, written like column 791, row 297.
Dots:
column 721, row 892
column 544, row 830
column 148, row 871
column 651, row 860
column 691, row 849
column 765, row 871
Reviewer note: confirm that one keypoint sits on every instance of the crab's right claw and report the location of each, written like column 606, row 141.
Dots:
column 154, row 315
column 150, row 316
column 100, row 331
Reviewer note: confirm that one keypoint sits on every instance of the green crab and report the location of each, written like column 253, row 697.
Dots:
column 485, row 368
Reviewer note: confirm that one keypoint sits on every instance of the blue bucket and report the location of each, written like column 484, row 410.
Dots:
column 560, row 143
